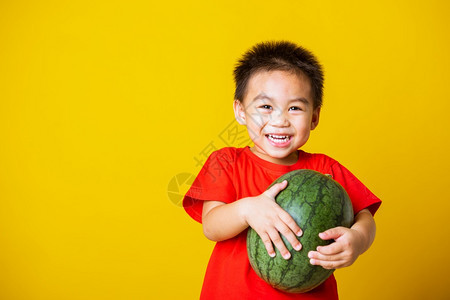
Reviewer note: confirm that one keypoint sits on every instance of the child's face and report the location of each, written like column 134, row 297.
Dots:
column 279, row 115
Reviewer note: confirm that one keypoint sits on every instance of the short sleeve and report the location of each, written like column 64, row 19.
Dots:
column 359, row 194
column 214, row 182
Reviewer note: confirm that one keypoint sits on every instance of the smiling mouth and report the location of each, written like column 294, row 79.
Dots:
column 278, row 139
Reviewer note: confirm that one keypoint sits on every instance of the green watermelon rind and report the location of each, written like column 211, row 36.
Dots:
column 284, row 274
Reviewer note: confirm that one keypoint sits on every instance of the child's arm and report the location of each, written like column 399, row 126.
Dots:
column 349, row 243
column 223, row 221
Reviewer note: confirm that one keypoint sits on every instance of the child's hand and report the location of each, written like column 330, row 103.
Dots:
column 348, row 245
column 268, row 219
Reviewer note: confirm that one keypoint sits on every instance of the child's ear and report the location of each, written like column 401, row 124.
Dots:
column 239, row 112
column 315, row 118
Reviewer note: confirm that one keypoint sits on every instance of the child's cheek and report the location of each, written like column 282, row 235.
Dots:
column 259, row 119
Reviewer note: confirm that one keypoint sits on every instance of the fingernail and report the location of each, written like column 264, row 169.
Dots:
column 299, row 233
column 287, row 255
column 298, row 247
column 272, row 254
column 310, row 254
column 312, row 261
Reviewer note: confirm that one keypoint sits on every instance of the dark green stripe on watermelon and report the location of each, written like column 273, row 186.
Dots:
column 317, row 203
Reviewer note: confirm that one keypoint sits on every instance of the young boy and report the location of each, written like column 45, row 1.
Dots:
column 278, row 98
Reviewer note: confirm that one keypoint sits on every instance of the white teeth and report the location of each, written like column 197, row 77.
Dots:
column 278, row 138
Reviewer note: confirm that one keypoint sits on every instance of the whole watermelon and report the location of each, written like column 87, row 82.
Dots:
column 317, row 203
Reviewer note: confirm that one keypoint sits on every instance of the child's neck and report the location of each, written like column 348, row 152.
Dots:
column 285, row 161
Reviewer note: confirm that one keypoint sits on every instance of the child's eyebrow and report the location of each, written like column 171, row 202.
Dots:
column 301, row 99
column 263, row 96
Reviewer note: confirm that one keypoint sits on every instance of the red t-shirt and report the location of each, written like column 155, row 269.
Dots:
column 231, row 174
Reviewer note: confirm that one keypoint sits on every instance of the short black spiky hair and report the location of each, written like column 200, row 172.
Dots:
column 278, row 55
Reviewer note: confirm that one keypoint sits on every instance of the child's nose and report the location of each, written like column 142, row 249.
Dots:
column 278, row 118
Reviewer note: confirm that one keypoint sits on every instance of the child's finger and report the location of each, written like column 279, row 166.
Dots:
column 333, row 233
column 328, row 264
column 289, row 235
column 321, row 257
column 268, row 244
column 275, row 189
column 279, row 244
column 331, row 249
column 290, row 222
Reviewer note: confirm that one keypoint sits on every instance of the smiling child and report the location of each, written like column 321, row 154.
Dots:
column 278, row 98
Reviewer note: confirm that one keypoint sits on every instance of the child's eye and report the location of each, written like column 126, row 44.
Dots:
column 265, row 106
column 295, row 108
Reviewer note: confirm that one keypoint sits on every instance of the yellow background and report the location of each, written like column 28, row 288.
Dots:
column 103, row 103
